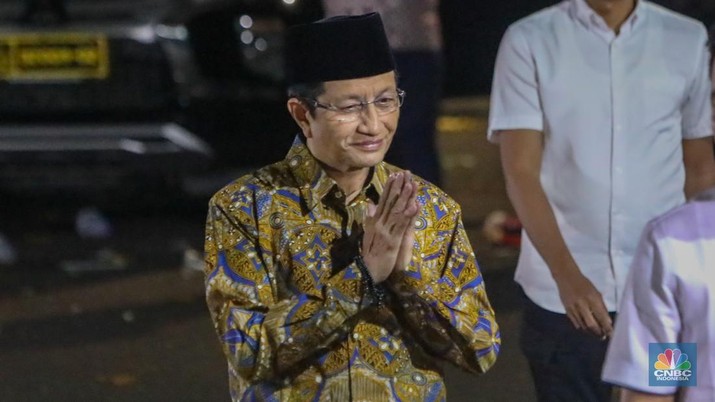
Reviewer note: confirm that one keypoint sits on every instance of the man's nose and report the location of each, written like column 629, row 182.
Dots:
column 370, row 119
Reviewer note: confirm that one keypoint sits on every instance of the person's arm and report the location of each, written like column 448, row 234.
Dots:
column 442, row 300
column 697, row 124
column 629, row 395
column 649, row 313
column 266, row 331
column 699, row 165
column 521, row 154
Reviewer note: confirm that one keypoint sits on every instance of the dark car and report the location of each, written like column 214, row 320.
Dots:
column 121, row 97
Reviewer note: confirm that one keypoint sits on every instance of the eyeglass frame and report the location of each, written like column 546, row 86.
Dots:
column 363, row 105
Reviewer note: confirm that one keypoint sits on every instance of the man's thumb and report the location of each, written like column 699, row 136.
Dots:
column 371, row 208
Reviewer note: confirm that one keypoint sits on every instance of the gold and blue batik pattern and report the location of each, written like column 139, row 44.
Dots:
column 287, row 301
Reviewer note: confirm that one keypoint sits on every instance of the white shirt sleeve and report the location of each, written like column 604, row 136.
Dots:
column 697, row 109
column 648, row 314
column 515, row 101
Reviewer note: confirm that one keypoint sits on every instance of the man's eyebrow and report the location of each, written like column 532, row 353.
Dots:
column 359, row 98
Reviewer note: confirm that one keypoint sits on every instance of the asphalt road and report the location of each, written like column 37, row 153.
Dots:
column 125, row 320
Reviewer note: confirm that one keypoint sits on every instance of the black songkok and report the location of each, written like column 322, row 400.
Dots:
column 337, row 48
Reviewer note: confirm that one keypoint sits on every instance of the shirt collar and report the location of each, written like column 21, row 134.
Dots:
column 314, row 182
column 589, row 18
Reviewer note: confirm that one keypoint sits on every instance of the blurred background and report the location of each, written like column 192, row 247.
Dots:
column 119, row 118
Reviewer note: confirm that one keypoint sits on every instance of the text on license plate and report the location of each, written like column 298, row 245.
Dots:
column 53, row 57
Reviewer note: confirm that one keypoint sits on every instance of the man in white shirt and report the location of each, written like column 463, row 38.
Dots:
column 669, row 298
column 602, row 112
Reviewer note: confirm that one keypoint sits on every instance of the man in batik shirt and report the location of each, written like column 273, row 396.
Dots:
column 332, row 275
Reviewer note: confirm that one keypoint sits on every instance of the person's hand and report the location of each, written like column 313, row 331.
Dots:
column 408, row 242
column 584, row 304
column 386, row 225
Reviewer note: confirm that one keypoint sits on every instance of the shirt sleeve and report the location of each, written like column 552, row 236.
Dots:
column 648, row 314
column 447, row 308
column 266, row 332
column 697, row 108
column 515, row 101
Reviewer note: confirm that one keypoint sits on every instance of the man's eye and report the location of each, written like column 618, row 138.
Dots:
column 385, row 102
column 354, row 108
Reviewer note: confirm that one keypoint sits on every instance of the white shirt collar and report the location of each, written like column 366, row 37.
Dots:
column 587, row 16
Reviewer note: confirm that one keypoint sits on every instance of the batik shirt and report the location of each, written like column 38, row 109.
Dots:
column 288, row 303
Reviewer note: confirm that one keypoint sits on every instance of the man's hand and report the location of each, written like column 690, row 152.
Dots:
column 383, row 245
column 408, row 244
column 584, row 304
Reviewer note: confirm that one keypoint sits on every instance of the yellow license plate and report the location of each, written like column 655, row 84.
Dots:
column 53, row 57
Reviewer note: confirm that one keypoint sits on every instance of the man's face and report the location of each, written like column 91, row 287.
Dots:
column 352, row 145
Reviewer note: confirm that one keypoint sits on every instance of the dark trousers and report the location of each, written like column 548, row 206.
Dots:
column 565, row 362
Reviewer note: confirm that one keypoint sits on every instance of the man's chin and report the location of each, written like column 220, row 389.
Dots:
column 373, row 160
column 365, row 164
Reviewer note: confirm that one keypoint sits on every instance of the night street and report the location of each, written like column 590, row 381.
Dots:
column 119, row 119
column 124, row 319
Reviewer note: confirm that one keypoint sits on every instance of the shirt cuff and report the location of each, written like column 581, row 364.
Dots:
column 513, row 123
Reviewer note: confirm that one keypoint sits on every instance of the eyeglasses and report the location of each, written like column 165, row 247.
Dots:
column 385, row 104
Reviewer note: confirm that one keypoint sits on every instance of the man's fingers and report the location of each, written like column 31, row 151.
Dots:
column 412, row 193
column 371, row 209
column 589, row 320
column 384, row 198
column 412, row 205
column 405, row 255
column 397, row 226
column 591, row 317
column 402, row 201
column 369, row 227
column 403, row 205
column 604, row 320
column 393, row 198
column 408, row 181
column 574, row 318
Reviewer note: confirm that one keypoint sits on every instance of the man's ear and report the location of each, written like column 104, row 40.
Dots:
column 301, row 115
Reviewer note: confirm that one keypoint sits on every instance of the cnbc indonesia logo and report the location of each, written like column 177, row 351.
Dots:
column 672, row 365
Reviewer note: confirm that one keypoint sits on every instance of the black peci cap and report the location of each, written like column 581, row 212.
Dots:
column 337, row 48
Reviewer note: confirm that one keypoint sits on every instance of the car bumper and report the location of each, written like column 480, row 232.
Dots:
column 52, row 157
